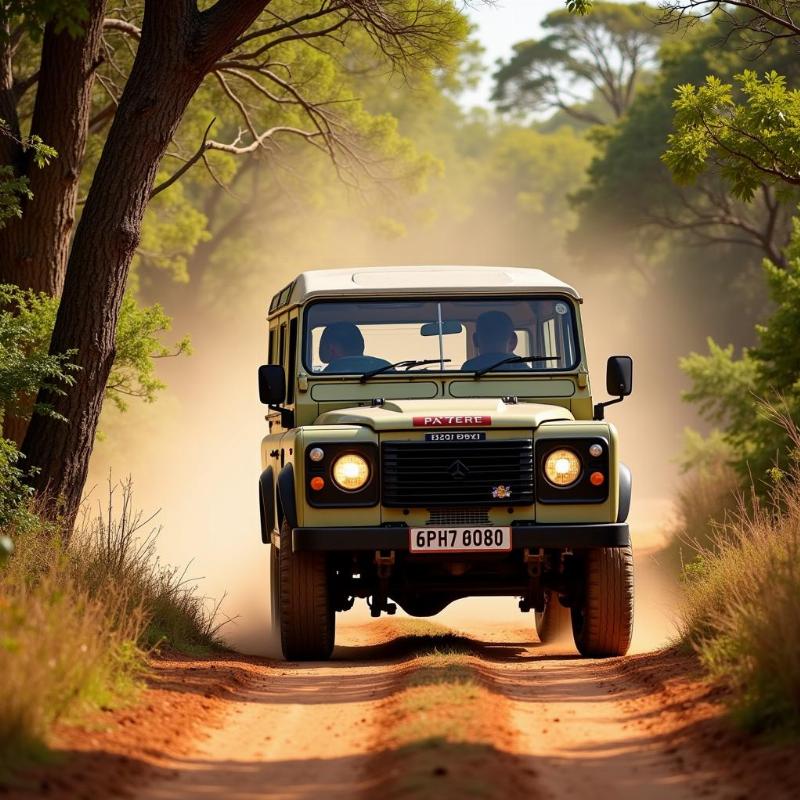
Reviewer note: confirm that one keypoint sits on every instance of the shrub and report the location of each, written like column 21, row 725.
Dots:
column 77, row 621
column 62, row 649
column 741, row 608
column 706, row 493
column 114, row 548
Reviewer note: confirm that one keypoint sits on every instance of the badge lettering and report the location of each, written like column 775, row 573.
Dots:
column 458, row 421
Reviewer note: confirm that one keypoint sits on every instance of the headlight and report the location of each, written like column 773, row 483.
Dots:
column 351, row 472
column 562, row 467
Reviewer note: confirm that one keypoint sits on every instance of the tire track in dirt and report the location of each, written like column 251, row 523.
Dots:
column 410, row 710
column 296, row 731
column 546, row 723
column 403, row 713
column 572, row 729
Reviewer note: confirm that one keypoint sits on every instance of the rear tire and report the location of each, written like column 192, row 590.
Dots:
column 307, row 618
column 274, row 588
column 602, row 624
column 554, row 621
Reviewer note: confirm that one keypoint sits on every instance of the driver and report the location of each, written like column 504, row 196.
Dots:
column 341, row 347
column 494, row 339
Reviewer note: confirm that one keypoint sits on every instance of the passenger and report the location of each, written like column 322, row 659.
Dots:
column 341, row 347
column 494, row 339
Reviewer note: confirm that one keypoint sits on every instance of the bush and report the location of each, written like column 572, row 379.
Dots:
column 113, row 548
column 706, row 494
column 724, row 386
column 742, row 603
column 62, row 649
column 77, row 621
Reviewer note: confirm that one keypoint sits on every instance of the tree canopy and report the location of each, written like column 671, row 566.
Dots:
column 749, row 143
column 631, row 190
column 603, row 54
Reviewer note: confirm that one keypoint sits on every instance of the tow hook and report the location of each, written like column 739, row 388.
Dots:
column 384, row 563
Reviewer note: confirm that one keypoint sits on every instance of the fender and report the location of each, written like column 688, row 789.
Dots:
column 625, row 480
column 286, row 495
column 266, row 503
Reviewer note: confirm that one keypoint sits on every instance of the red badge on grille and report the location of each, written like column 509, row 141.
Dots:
column 460, row 421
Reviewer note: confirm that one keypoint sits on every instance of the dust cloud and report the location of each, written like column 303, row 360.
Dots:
column 194, row 454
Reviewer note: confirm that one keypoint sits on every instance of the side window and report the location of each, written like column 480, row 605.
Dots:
column 558, row 340
column 271, row 347
column 523, row 347
column 290, row 377
column 549, row 337
column 281, row 354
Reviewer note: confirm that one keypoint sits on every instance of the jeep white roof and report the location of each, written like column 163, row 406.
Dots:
column 393, row 281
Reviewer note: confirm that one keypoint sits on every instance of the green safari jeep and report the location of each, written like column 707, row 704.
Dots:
column 432, row 436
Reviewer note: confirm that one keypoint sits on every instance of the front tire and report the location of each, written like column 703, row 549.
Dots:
column 554, row 621
column 307, row 617
column 602, row 624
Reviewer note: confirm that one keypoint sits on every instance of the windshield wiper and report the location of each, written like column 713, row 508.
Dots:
column 513, row 360
column 408, row 364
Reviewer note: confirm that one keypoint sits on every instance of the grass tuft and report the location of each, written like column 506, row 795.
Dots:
column 116, row 546
column 706, row 494
column 77, row 620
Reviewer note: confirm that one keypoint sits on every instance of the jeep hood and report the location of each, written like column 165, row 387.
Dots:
column 483, row 412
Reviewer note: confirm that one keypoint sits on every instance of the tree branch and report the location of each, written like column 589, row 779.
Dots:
column 188, row 164
column 122, row 26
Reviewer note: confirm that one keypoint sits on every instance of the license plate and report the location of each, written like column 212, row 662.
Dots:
column 455, row 436
column 460, row 540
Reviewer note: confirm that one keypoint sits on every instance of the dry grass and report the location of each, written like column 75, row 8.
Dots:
column 76, row 621
column 62, row 649
column 442, row 736
column 116, row 547
column 742, row 603
column 705, row 496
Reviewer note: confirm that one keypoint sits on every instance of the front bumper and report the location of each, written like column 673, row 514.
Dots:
column 523, row 535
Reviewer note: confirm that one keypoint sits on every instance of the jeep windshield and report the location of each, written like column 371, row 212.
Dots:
column 477, row 336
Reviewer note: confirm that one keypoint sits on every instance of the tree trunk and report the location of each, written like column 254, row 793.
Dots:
column 34, row 247
column 179, row 45
column 9, row 146
column 10, row 155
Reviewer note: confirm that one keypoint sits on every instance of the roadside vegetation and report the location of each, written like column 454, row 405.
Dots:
column 78, row 619
column 741, row 607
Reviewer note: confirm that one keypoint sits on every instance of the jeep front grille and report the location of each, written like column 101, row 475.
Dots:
column 489, row 473
column 478, row 515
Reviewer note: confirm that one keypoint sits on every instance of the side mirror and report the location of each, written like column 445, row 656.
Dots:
column 619, row 383
column 271, row 384
column 619, row 376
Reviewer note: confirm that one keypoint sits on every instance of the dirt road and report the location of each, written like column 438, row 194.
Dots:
column 463, row 707
column 411, row 710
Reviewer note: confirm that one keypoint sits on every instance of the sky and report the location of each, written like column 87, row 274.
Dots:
column 501, row 23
